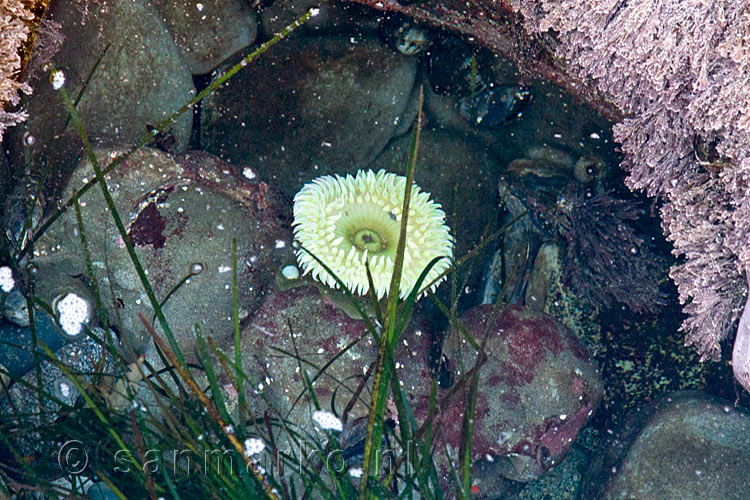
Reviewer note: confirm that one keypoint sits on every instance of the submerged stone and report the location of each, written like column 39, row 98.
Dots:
column 180, row 213
column 311, row 106
column 537, row 389
column 129, row 75
column 686, row 445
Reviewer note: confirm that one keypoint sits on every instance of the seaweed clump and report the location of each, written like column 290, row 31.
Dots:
column 607, row 259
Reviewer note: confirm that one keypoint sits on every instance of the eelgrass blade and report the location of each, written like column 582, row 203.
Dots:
column 211, row 409
column 380, row 378
column 205, row 362
column 89, row 266
column 371, row 292
column 408, row 305
column 236, row 326
column 104, row 477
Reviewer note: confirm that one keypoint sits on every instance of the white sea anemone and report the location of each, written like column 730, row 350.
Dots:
column 345, row 221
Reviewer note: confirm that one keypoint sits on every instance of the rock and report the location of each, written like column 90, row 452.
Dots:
column 333, row 17
column 35, row 421
column 461, row 176
column 303, row 321
column 687, row 445
column 537, row 390
column 208, row 33
column 133, row 76
column 309, row 107
column 300, row 329
column 299, row 323
column 181, row 214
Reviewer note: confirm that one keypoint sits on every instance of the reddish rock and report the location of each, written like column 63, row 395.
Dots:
column 299, row 330
column 537, row 389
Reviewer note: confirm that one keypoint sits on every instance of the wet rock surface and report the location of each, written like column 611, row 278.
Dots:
column 20, row 406
column 129, row 75
column 181, row 215
column 299, row 330
column 207, row 34
column 332, row 17
column 309, row 107
column 538, row 389
column 687, row 445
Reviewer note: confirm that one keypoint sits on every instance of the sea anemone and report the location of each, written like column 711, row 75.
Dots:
column 345, row 221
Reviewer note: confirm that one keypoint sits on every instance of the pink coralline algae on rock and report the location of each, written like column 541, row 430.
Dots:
column 538, row 389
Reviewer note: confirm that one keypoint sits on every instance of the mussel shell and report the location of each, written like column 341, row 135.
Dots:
column 404, row 35
column 495, row 106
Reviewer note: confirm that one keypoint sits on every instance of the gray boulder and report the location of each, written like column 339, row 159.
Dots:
column 687, row 446
column 311, row 106
column 208, row 33
column 130, row 75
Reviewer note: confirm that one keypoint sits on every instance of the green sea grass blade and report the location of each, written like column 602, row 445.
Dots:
column 205, row 362
column 380, row 378
column 236, row 327
column 408, row 305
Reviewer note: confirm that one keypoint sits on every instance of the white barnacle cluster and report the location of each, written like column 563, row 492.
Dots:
column 327, row 421
column 58, row 79
column 254, row 446
column 7, row 283
column 347, row 221
column 72, row 313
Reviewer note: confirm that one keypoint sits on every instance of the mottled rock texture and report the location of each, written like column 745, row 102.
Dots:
column 179, row 213
column 330, row 106
column 686, row 445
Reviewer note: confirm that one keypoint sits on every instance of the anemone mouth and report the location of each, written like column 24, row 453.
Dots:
column 347, row 221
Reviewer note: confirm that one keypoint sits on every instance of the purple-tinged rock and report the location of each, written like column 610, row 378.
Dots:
column 537, row 390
